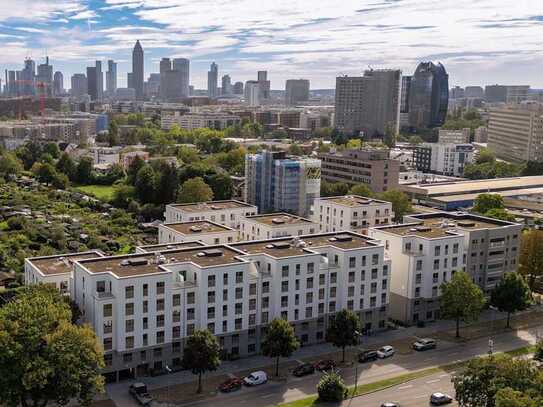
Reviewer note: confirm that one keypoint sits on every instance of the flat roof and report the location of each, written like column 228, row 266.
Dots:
column 353, row 200
column 286, row 247
column 150, row 248
column 198, row 227
column 212, row 205
column 279, row 219
column 472, row 186
column 417, row 229
column 62, row 263
column 472, row 197
column 462, row 221
column 135, row 265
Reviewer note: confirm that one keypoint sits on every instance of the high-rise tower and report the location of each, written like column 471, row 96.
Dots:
column 212, row 79
column 137, row 69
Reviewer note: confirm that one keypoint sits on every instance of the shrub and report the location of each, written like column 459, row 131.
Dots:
column 538, row 354
column 331, row 387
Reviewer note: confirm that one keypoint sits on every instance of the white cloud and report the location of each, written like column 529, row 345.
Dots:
column 37, row 10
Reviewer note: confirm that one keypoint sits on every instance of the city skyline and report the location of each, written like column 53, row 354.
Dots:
column 317, row 43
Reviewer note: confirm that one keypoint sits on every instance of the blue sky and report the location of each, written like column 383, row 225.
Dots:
column 479, row 41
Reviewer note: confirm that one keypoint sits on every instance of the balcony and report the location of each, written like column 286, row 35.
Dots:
column 103, row 295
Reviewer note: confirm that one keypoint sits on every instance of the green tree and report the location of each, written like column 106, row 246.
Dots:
column 194, row 190
column 222, row 186
column 136, row 165
column 44, row 172
column 113, row 134
column 354, row 143
column 531, row 256
column 66, row 165
column 362, row 190
column 60, row 180
column 486, row 202
column 44, row 357
column 279, row 341
column 9, row 165
column 461, row 299
column 400, row 203
column 295, row 149
column 145, row 184
column 538, row 354
column 188, row 155
column 123, row 195
column 511, row 295
column 512, row 398
column 334, row 188
column 501, row 214
column 84, row 171
column 51, row 149
column 415, row 140
column 344, row 330
column 485, row 156
column 331, row 387
column 201, row 354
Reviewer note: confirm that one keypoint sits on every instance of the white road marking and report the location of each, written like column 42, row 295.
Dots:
column 421, row 396
column 231, row 375
column 432, row 381
column 265, row 396
column 405, row 387
column 444, row 375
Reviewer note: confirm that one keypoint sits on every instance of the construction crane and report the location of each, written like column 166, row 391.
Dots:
column 42, row 93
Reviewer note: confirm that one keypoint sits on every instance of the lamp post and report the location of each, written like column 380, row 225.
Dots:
column 168, row 370
column 490, row 340
column 358, row 334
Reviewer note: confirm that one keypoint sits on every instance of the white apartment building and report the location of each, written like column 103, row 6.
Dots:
column 268, row 226
column 443, row 158
column 228, row 212
column 191, row 121
column 492, row 246
column 424, row 257
column 454, row 136
column 55, row 270
column 143, row 306
column 204, row 231
column 151, row 248
column 351, row 212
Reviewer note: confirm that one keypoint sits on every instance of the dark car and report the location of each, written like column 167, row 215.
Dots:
column 232, row 384
column 439, row 399
column 367, row 356
column 424, row 344
column 302, row 370
column 323, row 365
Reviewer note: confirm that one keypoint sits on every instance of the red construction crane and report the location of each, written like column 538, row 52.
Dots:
column 42, row 93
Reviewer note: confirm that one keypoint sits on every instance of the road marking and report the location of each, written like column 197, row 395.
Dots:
column 444, row 375
column 432, row 381
column 265, row 396
column 405, row 387
column 421, row 396
column 231, row 375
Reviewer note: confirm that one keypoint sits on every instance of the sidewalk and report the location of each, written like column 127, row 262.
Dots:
column 489, row 321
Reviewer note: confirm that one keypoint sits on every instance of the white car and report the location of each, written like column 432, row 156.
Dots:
column 386, row 352
column 256, row 378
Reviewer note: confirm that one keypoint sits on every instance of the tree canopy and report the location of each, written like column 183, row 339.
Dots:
column 194, row 190
column 531, row 256
column 279, row 341
column 201, row 354
column 400, row 203
column 344, row 330
column 511, row 294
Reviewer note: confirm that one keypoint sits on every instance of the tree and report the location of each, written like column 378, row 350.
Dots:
column 44, row 357
column 511, row 294
column 51, row 149
column 187, row 154
column 9, row 165
column 60, row 181
column 344, row 330
column 167, row 182
column 538, row 354
column 194, row 190
column 477, row 384
column 334, row 188
column 400, row 203
column 531, row 256
column 113, row 134
column 44, row 172
column 415, row 140
column 66, row 165
column 486, row 202
column 201, row 354
column 512, row 398
column 295, row 149
column 485, row 156
column 461, row 299
column 501, row 214
column 145, row 184
column 331, row 387
column 222, row 186
column 84, row 170
column 136, row 165
column 362, row 190
column 279, row 341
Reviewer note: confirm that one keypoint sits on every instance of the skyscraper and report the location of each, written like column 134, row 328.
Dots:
column 165, row 66
column 369, row 103
column 252, row 93
column 182, row 67
column 79, row 84
column 45, row 78
column 238, row 88
column 137, row 69
column 296, row 91
column 404, row 101
column 264, row 84
column 111, row 77
column 429, row 96
column 58, row 83
column 91, row 82
column 226, row 85
column 28, row 75
column 212, row 80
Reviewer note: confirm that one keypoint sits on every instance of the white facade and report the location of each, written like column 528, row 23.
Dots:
column 268, row 226
column 450, row 159
column 191, row 121
column 351, row 212
column 228, row 213
column 454, row 136
column 204, row 231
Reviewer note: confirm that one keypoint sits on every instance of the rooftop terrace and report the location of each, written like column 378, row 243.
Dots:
column 197, row 227
column 51, row 265
column 279, row 219
column 212, row 206
column 169, row 246
column 353, row 200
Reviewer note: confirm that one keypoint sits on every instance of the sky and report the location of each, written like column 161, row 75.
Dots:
column 479, row 41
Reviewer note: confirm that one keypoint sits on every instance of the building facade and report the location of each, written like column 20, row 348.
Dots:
column 212, row 81
column 272, row 225
column 137, row 70
column 204, row 231
column 428, row 96
column 296, row 91
column 443, row 158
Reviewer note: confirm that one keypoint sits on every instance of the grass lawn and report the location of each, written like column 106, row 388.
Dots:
column 102, row 192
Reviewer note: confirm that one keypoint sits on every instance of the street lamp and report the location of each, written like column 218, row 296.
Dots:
column 168, row 371
column 359, row 335
column 490, row 340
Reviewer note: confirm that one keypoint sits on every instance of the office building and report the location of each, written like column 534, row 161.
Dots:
column 228, row 213
column 517, row 94
column 515, row 133
column 212, row 80
column 252, row 93
column 95, row 85
column 226, row 85
column 78, row 85
column 111, row 77
column 457, row 93
column 496, row 94
column 481, row 135
column 404, row 101
column 296, row 91
column 58, row 83
column 152, row 86
column 272, row 225
column 204, row 231
column 182, row 68
column 27, row 78
column 275, row 183
column 474, row 92
column 370, row 166
column 443, row 158
column 369, row 104
column 191, row 121
column 238, row 88
column 454, row 136
column 165, row 66
column 428, row 96
column 137, row 70
column 264, row 85
column 351, row 212
column 143, row 306
column 492, row 246
column 45, row 78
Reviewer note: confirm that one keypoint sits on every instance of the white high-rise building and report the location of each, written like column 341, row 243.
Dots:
column 252, row 93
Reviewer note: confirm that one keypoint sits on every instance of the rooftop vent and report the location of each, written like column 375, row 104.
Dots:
column 125, row 263
column 215, row 207
column 278, row 221
column 344, row 238
column 281, row 245
column 138, row 262
column 195, row 229
column 466, row 224
column 212, row 253
column 269, row 246
column 423, row 229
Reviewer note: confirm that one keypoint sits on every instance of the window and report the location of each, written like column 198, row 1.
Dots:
column 352, row 262
column 239, row 308
column 321, row 279
column 211, row 281
column 419, row 265
column 239, row 277
column 284, row 286
column 108, row 327
column 225, row 279
column 176, row 332
column 333, row 278
column 284, row 271
column 455, row 248
column 129, row 325
column 239, row 293
column 238, row 324
column 160, row 337
column 332, row 291
column 190, row 298
column 418, row 278
column 265, row 302
column 129, row 292
column 108, row 344
column 211, row 313
column 160, row 287
column 351, row 276
column 374, row 259
column 190, row 313
column 176, row 300
column 436, row 264
column 129, row 342
column 252, row 289
column 437, row 250
column 265, row 287
column 160, row 321
column 284, row 301
column 309, row 312
column 160, row 304
column 145, row 322
column 350, row 291
column 129, row 308
column 374, row 274
column 145, row 305
column 310, row 268
column 108, row 310
column 264, row 317
column 176, row 316
column 210, row 297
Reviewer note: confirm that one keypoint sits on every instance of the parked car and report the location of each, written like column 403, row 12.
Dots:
column 256, row 378
column 386, row 352
column 303, row 370
column 367, row 356
column 232, row 384
column 424, row 344
column 390, row 404
column 323, row 365
column 439, row 399
column 139, row 392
